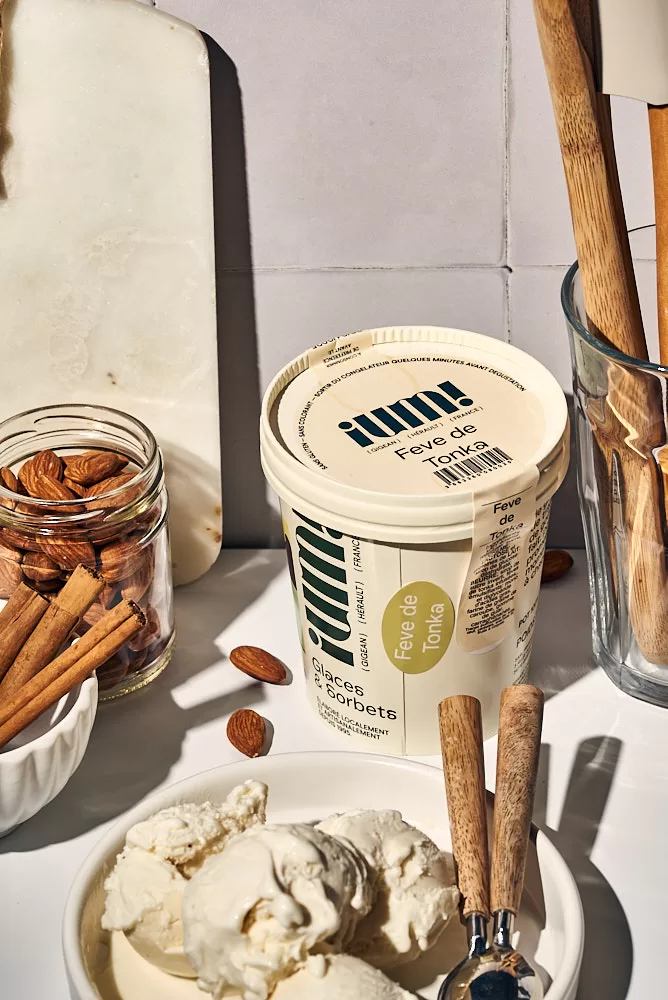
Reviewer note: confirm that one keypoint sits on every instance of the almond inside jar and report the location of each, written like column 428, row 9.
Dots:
column 66, row 508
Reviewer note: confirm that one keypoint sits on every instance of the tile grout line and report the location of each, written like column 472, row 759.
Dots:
column 356, row 268
column 507, row 278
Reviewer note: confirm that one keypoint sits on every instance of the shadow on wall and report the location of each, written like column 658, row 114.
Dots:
column 565, row 530
column 248, row 520
column 6, row 66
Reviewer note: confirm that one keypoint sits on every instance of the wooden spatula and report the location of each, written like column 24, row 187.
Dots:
column 632, row 425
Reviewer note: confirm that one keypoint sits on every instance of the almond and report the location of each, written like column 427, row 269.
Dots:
column 76, row 488
column 47, row 463
column 20, row 541
column 37, row 566
column 94, row 613
column 91, row 467
column 68, row 553
column 258, row 663
column 137, row 661
column 99, row 490
column 134, row 588
column 44, row 463
column 8, row 551
column 10, row 482
column 47, row 488
column 121, row 559
column 113, row 671
column 47, row 586
column 143, row 639
column 246, row 732
column 555, row 565
column 10, row 577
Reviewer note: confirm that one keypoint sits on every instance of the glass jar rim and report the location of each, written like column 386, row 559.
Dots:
column 150, row 476
column 609, row 352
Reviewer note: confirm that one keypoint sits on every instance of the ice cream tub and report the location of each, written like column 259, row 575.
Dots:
column 414, row 468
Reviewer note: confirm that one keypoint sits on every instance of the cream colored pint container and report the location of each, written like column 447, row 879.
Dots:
column 415, row 468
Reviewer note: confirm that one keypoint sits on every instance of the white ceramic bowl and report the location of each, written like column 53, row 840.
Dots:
column 39, row 762
column 302, row 788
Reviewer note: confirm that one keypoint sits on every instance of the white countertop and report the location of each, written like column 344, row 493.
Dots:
column 602, row 791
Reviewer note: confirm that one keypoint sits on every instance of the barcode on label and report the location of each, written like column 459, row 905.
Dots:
column 470, row 468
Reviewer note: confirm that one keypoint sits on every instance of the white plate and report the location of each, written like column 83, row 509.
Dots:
column 305, row 787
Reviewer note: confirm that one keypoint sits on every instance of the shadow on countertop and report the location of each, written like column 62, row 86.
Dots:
column 607, row 964
column 562, row 644
column 608, row 955
column 137, row 740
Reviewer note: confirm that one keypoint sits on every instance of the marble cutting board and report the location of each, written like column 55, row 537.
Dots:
column 107, row 290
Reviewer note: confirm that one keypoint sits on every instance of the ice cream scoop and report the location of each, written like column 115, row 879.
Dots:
column 498, row 972
column 343, row 977
column 414, row 888
column 144, row 891
column 253, row 914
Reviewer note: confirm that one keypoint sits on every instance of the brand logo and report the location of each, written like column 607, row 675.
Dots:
column 324, row 586
column 412, row 411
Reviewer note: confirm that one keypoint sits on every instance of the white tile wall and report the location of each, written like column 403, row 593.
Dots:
column 300, row 308
column 397, row 163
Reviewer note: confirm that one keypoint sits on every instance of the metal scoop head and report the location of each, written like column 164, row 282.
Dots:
column 497, row 972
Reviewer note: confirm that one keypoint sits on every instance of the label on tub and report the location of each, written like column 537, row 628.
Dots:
column 378, row 624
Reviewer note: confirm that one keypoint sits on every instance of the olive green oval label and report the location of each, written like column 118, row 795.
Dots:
column 417, row 626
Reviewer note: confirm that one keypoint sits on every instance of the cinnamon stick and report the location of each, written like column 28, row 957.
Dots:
column 65, row 680
column 18, row 619
column 108, row 624
column 18, row 599
column 62, row 615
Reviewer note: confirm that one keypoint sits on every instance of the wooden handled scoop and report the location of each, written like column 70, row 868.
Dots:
column 632, row 426
column 497, row 972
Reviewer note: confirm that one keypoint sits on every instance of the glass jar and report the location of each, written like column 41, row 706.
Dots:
column 106, row 509
column 620, row 425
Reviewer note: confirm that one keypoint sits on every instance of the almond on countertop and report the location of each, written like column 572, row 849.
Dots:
column 259, row 664
column 246, row 732
column 556, row 564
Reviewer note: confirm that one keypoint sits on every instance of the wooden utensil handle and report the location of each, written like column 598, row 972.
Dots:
column 460, row 721
column 658, row 131
column 520, row 723
column 608, row 299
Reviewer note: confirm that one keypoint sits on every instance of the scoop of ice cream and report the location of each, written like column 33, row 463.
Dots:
column 144, row 899
column 342, row 978
column 253, row 914
column 144, row 891
column 415, row 891
column 186, row 834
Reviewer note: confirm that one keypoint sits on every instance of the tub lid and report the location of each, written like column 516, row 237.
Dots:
column 423, row 416
column 419, row 417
